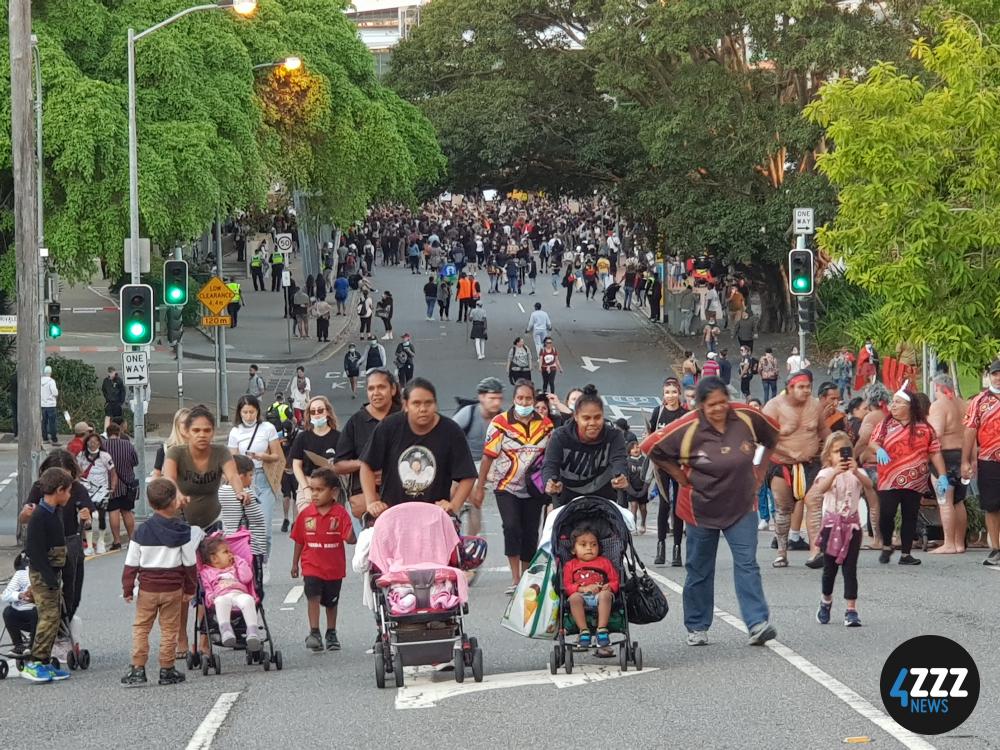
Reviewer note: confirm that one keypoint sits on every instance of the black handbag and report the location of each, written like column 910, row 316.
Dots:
column 645, row 603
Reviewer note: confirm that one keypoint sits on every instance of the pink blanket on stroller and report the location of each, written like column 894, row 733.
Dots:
column 415, row 536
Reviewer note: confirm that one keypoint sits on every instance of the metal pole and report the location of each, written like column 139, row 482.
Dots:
column 178, row 254
column 800, row 244
column 223, row 374
column 218, row 396
column 29, row 321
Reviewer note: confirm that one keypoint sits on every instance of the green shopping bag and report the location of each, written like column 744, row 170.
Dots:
column 533, row 609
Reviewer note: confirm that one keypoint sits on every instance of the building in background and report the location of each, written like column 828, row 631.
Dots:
column 382, row 23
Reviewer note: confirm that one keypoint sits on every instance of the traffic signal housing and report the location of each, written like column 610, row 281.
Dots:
column 801, row 272
column 807, row 314
column 55, row 326
column 175, row 283
column 175, row 325
column 136, row 311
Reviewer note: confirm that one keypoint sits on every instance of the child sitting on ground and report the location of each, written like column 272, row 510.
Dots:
column 227, row 580
column 591, row 582
column 840, row 483
column 19, row 616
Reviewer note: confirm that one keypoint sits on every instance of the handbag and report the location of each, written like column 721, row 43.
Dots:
column 645, row 603
column 533, row 608
column 533, row 481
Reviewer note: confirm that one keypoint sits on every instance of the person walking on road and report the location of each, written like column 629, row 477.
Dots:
column 745, row 330
column 946, row 416
column 748, row 368
column 705, row 453
column 113, row 390
column 549, row 365
column 982, row 442
column 654, row 294
column 257, row 262
column 352, row 367
column 50, row 396
column 669, row 410
column 568, row 282
column 404, row 358
column 341, row 288
column 255, row 384
column 519, row 361
column 464, row 295
column 841, row 369
column 277, row 267
column 375, row 357
column 767, row 368
column 796, row 362
column 300, row 390
column 430, row 296
column 478, row 334
column 384, row 310
column 257, row 440
column 444, row 299
column 366, row 309
column 539, row 325
column 121, row 504
column 321, row 310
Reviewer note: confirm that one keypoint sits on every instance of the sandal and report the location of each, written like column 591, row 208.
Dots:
column 780, row 562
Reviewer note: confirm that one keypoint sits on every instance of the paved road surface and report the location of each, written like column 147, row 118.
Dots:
column 813, row 688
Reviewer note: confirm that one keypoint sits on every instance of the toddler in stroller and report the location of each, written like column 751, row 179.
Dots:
column 228, row 579
column 610, row 298
column 420, row 594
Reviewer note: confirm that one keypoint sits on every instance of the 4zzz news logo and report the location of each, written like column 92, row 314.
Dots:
column 930, row 685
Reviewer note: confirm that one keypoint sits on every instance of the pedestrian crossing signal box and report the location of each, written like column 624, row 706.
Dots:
column 175, row 283
column 136, row 312
column 801, row 272
column 55, row 326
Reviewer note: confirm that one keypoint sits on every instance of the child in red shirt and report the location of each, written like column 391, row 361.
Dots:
column 319, row 534
column 591, row 582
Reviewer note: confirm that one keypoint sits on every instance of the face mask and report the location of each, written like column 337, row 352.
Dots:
column 249, row 423
column 318, row 421
column 523, row 411
column 994, row 390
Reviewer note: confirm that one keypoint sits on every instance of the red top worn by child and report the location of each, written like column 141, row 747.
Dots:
column 599, row 571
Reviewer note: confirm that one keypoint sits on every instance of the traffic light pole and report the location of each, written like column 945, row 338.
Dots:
column 180, row 351
column 800, row 244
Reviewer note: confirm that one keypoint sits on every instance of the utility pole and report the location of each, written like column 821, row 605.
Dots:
column 221, row 338
column 22, row 131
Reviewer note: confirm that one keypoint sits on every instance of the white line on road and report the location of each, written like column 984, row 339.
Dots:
column 520, row 307
column 840, row 690
column 294, row 594
column 288, row 609
column 203, row 736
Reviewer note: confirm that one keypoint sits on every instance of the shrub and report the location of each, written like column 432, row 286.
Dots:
column 846, row 315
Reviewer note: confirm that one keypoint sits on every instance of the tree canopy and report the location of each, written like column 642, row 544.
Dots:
column 915, row 164
column 212, row 132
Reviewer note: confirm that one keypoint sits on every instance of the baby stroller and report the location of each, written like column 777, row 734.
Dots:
column 65, row 650
column 604, row 517
column 207, row 625
column 610, row 298
column 420, row 595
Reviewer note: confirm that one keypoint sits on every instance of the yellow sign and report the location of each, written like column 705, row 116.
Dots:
column 208, row 321
column 8, row 325
column 215, row 295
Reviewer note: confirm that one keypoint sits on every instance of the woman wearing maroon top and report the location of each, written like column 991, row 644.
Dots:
column 714, row 453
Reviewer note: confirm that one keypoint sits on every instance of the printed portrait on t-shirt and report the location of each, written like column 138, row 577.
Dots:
column 417, row 468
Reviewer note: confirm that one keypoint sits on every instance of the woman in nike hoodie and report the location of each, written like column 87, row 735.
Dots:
column 586, row 456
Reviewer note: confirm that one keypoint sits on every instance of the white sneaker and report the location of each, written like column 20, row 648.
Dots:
column 88, row 551
column 761, row 525
column 266, row 577
column 101, row 549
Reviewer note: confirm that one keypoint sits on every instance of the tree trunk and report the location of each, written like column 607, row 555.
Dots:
column 775, row 308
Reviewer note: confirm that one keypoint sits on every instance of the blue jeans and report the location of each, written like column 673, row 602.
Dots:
column 770, row 389
column 49, row 423
column 844, row 385
column 629, row 291
column 699, row 587
column 265, row 496
column 431, row 303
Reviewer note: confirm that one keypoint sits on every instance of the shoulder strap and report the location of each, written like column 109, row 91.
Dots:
column 252, row 437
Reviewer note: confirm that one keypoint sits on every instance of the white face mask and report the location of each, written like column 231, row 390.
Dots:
column 318, row 421
column 249, row 423
column 994, row 390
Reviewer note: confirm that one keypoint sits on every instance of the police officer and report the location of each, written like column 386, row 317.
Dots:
column 279, row 411
column 257, row 262
column 277, row 266
column 236, row 303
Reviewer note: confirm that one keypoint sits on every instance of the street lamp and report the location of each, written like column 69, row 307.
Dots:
column 289, row 63
column 243, row 8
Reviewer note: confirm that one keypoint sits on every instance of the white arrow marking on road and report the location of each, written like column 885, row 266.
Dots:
column 293, row 595
column 588, row 362
column 425, row 692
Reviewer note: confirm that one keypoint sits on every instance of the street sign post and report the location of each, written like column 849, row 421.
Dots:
column 804, row 221
column 8, row 325
column 135, row 368
column 215, row 295
column 284, row 243
column 207, row 321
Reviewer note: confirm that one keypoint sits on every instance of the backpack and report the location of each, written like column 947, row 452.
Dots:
column 402, row 358
column 768, row 368
column 464, row 405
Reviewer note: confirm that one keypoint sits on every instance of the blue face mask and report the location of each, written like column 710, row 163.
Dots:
column 318, row 421
column 523, row 411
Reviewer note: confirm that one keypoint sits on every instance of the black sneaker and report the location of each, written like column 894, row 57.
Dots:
column 313, row 641
column 908, row 560
column 332, row 644
column 799, row 545
column 115, row 546
column 774, row 542
column 993, row 559
column 884, row 556
column 171, row 676
column 284, row 526
column 136, row 677
column 815, row 562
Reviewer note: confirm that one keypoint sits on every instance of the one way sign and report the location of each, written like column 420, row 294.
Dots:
column 135, row 368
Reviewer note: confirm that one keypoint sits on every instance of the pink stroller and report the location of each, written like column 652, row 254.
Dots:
column 206, row 624
column 420, row 598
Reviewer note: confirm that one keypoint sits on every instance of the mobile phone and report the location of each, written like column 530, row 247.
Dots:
column 845, row 453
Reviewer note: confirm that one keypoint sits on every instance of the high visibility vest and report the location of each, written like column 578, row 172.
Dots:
column 465, row 288
column 257, row 261
column 235, row 289
column 277, row 259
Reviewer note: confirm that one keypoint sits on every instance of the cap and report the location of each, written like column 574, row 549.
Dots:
column 82, row 428
column 712, row 355
column 489, row 385
column 995, row 366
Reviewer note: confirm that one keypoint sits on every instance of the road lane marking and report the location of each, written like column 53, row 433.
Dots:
column 427, row 686
column 840, row 690
column 294, row 594
column 520, row 307
column 203, row 736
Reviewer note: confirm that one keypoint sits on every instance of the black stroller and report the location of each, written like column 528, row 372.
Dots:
column 610, row 298
column 605, row 518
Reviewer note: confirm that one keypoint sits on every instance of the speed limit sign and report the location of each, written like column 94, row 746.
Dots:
column 284, row 242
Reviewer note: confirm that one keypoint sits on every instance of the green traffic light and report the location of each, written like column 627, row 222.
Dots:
column 137, row 330
column 54, row 331
column 801, row 284
column 176, row 294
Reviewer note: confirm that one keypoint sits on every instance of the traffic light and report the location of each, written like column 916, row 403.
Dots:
column 175, row 282
column 55, row 327
column 801, row 270
column 807, row 314
column 136, row 311
column 175, row 325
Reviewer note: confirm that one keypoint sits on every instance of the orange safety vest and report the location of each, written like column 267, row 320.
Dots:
column 465, row 288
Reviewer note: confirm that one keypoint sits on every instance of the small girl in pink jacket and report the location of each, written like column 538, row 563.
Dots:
column 227, row 580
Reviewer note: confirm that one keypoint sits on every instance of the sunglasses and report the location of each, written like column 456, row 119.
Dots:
column 321, row 410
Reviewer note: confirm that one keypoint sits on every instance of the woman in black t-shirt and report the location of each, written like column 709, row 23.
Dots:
column 669, row 410
column 319, row 436
column 419, row 454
